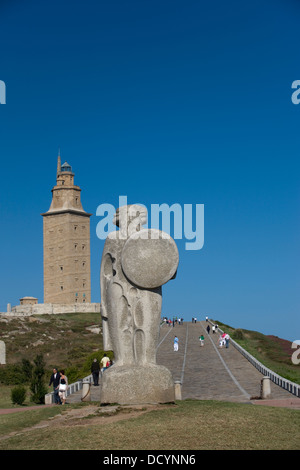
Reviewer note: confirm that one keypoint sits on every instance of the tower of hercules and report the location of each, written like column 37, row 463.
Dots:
column 66, row 229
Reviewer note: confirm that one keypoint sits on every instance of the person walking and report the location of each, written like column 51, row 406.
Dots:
column 95, row 369
column 227, row 340
column 63, row 386
column 175, row 343
column 54, row 379
column 208, row 329
column 104, row 363
column 201, row 339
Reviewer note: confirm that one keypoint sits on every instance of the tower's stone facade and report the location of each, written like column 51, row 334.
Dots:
column 66, row 228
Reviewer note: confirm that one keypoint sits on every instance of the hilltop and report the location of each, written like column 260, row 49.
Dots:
column 64, row 340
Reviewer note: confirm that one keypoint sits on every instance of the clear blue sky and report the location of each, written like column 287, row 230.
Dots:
column 183, row 102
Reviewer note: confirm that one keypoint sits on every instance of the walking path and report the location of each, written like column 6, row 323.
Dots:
column 210, row 372
column 207, row 372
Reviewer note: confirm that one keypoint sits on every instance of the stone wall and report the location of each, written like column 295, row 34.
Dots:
column 67, row 271
column 52, row 309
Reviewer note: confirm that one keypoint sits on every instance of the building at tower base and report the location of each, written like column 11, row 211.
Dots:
column 52, row 309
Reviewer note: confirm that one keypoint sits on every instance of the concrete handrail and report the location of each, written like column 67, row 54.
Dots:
column 291, row 387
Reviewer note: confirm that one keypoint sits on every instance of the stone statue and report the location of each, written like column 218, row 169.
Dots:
column 136, row 262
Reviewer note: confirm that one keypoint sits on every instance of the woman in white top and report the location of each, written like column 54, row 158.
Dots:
column 63, row 386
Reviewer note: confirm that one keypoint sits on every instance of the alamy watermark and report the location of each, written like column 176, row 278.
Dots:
column 181, row 221
column 2, row 92
column 296, row 94
column 296, row 354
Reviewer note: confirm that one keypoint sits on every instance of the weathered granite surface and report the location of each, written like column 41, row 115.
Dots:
column 134, row 266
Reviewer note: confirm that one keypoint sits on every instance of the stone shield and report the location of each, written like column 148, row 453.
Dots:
column 150, row 258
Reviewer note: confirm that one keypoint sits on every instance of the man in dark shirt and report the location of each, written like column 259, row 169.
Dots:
column 55, row 381
column 95, row 369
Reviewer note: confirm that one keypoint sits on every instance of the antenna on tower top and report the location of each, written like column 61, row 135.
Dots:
column 58, row 163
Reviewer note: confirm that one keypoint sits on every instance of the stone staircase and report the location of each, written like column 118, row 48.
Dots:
column 210, row 372
column 207, row 372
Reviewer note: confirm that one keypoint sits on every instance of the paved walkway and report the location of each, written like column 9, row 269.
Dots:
column 210, row 372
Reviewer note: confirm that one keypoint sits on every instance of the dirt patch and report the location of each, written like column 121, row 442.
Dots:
column 90, row 415
column 105, row 415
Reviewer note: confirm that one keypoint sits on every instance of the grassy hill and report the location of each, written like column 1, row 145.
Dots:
column 66, row 341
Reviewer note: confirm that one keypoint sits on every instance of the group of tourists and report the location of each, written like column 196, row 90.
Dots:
column 223, row 338
column 59, row 380
column 175, row 321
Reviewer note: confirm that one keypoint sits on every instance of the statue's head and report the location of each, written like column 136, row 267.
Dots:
column 125, row 215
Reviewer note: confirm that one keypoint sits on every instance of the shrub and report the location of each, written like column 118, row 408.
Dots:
column 37, row 385
column 98, row 355
column 12, row 374
column 73, row 374
column 238, row 334
column 27, row 369
column 16, row 374
column 18, row 395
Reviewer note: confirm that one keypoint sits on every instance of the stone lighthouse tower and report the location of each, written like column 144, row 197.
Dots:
column 66, row 229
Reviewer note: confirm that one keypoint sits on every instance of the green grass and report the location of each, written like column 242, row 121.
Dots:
column 14, row 422
column 187, row 425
